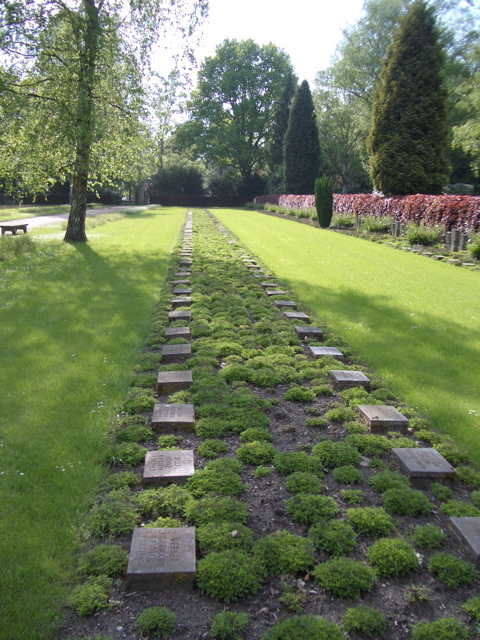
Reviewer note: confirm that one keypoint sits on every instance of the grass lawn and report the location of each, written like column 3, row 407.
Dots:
column 413, row 320
column 73, row 318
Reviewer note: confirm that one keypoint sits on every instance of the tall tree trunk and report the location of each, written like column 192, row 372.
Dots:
column 89, row 34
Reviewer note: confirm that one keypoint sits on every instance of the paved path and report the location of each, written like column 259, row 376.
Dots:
column 43, row 221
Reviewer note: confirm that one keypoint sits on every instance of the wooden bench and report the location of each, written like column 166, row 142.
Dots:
column 13, row 228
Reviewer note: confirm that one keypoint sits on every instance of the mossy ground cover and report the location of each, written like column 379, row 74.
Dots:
column 414, row 321
column 73, row 318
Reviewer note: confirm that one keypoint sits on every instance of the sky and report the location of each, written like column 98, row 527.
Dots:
column 308, row 30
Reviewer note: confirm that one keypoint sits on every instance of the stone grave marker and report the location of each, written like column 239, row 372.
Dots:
column 467, row 531
column 185, row 262
column 183, row 274
column 382, row 418
column 423, row 466
column 168, row 467
column 285, row 304
column 265, row 285
column 183, row 314
column 320, row 352
column 175, row 353
column 162, row 559
column 182, row 291
column 173, row 417
column 347, row 379
column 261, row 275
column 180, row 282
column 296, row 315
column 172, row 381
column 181, row 301
column 177, row 332
column 274, row 292
column 309, row 333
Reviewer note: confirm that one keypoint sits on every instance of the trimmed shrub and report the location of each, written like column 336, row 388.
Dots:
column 303, row 482
column 428, row 536
column 212, row 448
column 386, row 479
column 333, row 536
column 91, row 596
column 324, row 200
column 365, row 620
column 255, row 434
column 105, row 559
column 335, row 454
column 299, row 394
column 157, row 620
column 369, row 444
column 220, row 536
column 306, row 628
column 459, row 509
column 441, row 629
column 452, row 571
column 205, row 481
column 371, row 521
column 282, row 552
column 114, row 516
column 406, row 502
column 392, row 557
column 229, row 575
column 288, row 462
column 256, row 452
column 215, row 509
column 472, row 608
column 441, row 492
column 307, row 508
column 229, row 625
column 345, row 578
column 352, row 496
column 347, row 474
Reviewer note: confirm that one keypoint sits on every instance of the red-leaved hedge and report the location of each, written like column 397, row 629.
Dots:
column 451, row 212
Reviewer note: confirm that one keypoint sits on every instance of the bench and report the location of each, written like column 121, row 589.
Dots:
column 13, row 228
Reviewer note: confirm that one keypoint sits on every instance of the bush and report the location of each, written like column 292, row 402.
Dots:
column 339, row 414
column 392, row 557
column 304, row 627
column 91, row 596
column 386, row 480
column 345, row 578
column 134, row 433
column 316, row 422
column 204, row 481
column 211, row 448
column 428, row 536
column 257, row 452
column 474, row 246
column 215, row 509
column 347, row 474
column 469, row 476
column 299, row 394
column 229, row 625
column 255, row 434
column 114, row 516
column 166, row 502
column 371, row 521
column 221, row 536
column 303, row 482
column 441, row 629
column 421, row 234
column 322, row 390
column 441, row 492
column 343, row 220
column 406, row 502
column 452, row 571
column 453, row 454
column 127, row 453
column 105, row 559
column 352, row 496
column 282, row 552
column 335, row 537
column 365, row 620
column 164, row 523
column 307, row 508
column 335, row 454
column 369, row 444
column 159, row 620
column 169, row 442
column 229, row 575
column 261, row 472
column 138, row 400
column 459, row 509
column 375, row 224
column 288, row 462
column 122, row 480
column 472, row 608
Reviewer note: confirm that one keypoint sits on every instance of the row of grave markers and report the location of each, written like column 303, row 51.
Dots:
column 162, row 558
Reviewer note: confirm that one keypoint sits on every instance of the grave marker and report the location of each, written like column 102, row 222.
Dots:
column 183, row 274
column 423, row 466
column 320, row 352
column 307, row 333
column 275, row 292
column 173, row 417
column 285, row 304
column 168, row 467
column 264, row 285
column 181, row 301
column 180, row 282
column 172, row 381
column 467, row 531
column 162, row 559
column 175, row 353
column 177, row 332
column 347, row 379
column 182, row 291
column 296, row 315
column 183, row 314
column 382, row 418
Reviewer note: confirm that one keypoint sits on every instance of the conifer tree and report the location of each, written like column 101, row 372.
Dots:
column 409, row 136
column 302, row 148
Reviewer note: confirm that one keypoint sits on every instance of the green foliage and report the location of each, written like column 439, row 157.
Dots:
column 114, row 516
column 423, row 235
column 164, row 523
column 223, row 483
column 307, row 508
column 288, row 462
column 345, row 578
column 472, row 608
column 335, row 454
column 299, row 394
column 215, row 509
column 91, row 596
column 303, row 482
column 211, row 448
column 409, row 135
column 452, row 571
column 105, row 559
column 387, row 479
column 283, row 553
column 256, row 452
column 354, row 426
column 441, row 629
column 343, row 220
column 122, row 480
column 352, row 496
column 347, row 474
column 224, row 465
column 340, row 414
column 428, row 536
column 255, row 434
column 474, row 246
column 392, row 557
column 261, row 472
column 376, row 224
column 305, row 627
column 459, row 509
column 157, row 620
column 229, row 625
column 220, row 536
column 367, row 621
column 324, row 200
column 406, row 502
column 127, row 453
column 371, row 521
column 229, row 575
column 169, row 441
column 441, row 492
column 166, row 502
column 138, row 400
column 134, row 433
column 316, row 422
column 333, row 536
column 369, row 444
column 453, row 453
column 469, row 476
column 301, row 146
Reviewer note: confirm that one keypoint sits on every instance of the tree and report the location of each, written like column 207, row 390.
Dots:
column 75, row 104
column 232, row 109
column 277, row 139
column 409, row 136
column 301, row 149
column 324, row 200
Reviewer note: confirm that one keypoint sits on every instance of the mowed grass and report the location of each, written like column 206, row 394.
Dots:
column 415, row 321
column 72, row 319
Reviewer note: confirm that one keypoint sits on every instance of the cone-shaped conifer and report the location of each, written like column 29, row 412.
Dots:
column 409, row 136
column 302, row 148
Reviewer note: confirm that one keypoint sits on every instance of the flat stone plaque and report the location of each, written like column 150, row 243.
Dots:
column 181, row 301
column 177, row 332
column 285, row 304
column 262, row 275
column 185, row 262
column 347, row 379
column 296, row 315
column 468, row 532
column 309, row 333
column 168, row 467
column 265, row 285
column 423, row 466
column 175, row 353
column 180, row 282
column 172, row 381
column 162, row 559
column 173, row 417
column 383, row 418
column 183, row 314
column 183, row 274
column 274, row 292
column 182, row 291
column 320, row 352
